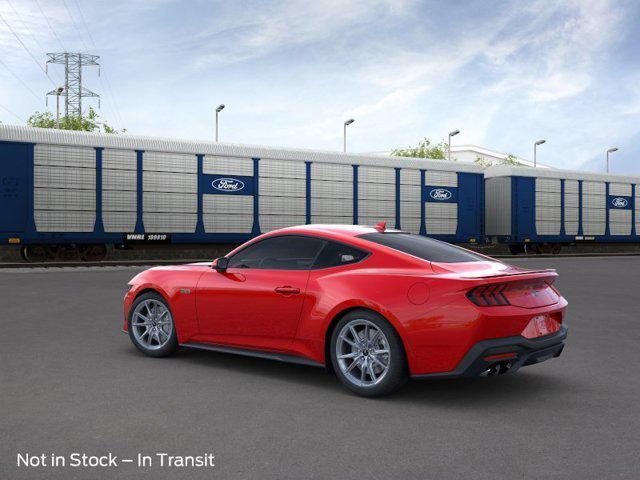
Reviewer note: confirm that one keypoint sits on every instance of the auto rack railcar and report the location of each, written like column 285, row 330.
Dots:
column 79, row 191
column 543, row 209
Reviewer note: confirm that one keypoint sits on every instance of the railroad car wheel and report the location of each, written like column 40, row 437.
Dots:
column 367, row 354
column 151, row 326
column 35, row 253
column 93, row 253
column 515, row 249
column 556, row 248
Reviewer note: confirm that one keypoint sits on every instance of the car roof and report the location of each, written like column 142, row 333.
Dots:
column 329, row 229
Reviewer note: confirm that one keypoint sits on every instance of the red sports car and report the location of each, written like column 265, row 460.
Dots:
column 373, row 305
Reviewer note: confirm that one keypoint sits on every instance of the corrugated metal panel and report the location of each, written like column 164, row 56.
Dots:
column 169, row 222
column 216, row 223
column 409, row 210
column 170, row 202
column 571, row 186
column 169, row 162
column 510, row 171
column 498, row 206
column 281, row 169
column 64, row 156
column 368, row 174
column 117, row 201
column 64, row 220
column 571, row 218
column 119, row 221
column 119, row 159
column 620, row 220
column 637, row 207
column 373, row 220
column 283, row 187
column 376, row 191
column 327, row 171
column 409, row 177
column 279, row 205
column 371, row 208
column 274, row 222
column 169, row 182
column 595, row 188
column 119, row 180
column 332, row 219
column 130, row 142
column 215, row 165
column 64, row 199
column 228, row 204
column 548, row 206
column 548, row 185
column 441, row 218
column 411, row 225
column 331, row 189
column 410, row 193
column 441, row 179
column 620, row 189
column 64, row 177
column 332, row 206
column 593, row 228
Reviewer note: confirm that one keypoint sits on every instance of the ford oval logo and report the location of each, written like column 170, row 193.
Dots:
column 440, row 194
column 228, row 184
column 620, row 202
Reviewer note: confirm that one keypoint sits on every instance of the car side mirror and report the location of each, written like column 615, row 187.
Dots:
column 221, row 264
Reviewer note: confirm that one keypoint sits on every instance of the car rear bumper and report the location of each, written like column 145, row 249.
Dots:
column 502, row 355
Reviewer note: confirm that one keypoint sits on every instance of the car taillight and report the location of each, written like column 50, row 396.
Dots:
column 518, row 293
column 489, row 295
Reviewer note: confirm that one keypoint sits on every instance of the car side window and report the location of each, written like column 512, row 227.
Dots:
column 334, row 254
column 286, row 252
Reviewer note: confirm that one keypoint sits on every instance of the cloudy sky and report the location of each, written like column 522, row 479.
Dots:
column 505, row 73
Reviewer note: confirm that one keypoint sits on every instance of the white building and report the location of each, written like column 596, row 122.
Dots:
column 469, row 154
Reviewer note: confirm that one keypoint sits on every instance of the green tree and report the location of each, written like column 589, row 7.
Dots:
column 425, row 149
column 87, row 123
column 510, row 159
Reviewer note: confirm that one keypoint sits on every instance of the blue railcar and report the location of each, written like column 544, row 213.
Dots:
column 79, row 192
column 543, row 209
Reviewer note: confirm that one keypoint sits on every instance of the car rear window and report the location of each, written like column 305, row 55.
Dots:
column 423, row 247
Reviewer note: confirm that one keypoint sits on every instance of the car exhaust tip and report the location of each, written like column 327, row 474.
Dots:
column 499, row 368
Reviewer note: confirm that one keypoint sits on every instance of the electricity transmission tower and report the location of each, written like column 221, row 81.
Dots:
column 73, row 91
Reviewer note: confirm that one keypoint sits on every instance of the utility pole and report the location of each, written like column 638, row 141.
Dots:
column 73, row 91
column 535, row 152
column 59, row 90
column 611, row 150
column 451, row 134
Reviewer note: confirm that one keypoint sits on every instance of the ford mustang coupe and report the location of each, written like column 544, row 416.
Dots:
column 373, row 305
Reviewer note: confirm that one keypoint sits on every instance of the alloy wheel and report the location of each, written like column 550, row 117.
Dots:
column 362, row 352
column 152, row 324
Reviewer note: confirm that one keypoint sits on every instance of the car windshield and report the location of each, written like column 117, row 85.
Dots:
column 423, row 247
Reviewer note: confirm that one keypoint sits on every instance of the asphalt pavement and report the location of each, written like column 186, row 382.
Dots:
column 72, row 382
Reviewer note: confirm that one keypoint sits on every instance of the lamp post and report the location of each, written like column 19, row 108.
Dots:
column 344, row 133
column 535, row 152
column 219, row 108
column 451, row 134
column 59, row 91
column 611, row 150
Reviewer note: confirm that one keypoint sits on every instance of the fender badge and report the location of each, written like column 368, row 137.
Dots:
column 185, row 290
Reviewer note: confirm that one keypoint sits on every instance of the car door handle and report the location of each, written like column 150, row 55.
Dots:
column 287, row 290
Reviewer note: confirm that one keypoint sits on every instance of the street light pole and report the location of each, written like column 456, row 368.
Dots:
column 611, row 150
column 451, row 134
column 59, row 90
column 219, row 108
column 344, row 133
column 535, row 152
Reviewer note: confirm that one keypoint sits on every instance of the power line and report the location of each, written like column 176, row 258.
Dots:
column 73, row 22
column 20, row 80
column 50, row 27
column 110, row 97
column 27, row 49
column 26, row 27
column 12, row 113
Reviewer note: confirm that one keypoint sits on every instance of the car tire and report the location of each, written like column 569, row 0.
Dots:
column 151, row 326
column 360, row 364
